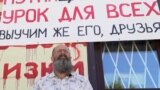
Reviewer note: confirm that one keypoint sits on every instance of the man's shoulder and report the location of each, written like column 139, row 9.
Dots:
column 79, row 76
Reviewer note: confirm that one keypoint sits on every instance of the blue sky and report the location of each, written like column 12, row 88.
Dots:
column 147, row 77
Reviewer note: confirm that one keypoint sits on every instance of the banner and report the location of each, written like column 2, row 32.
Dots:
column 21, row 66
column 60, row 21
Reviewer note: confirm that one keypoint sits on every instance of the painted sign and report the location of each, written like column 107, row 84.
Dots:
column 57, row 21
column 21, row 66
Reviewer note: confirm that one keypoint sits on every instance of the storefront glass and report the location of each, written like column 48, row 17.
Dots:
column 131, row 65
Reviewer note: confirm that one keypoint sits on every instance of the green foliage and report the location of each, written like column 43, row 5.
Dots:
column 118, row 85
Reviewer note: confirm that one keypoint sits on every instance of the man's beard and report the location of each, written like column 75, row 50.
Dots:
column 63, row 65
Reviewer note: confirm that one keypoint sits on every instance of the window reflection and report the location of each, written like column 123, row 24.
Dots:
column 131, row 65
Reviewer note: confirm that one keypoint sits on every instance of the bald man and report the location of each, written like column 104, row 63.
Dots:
column 63, row 77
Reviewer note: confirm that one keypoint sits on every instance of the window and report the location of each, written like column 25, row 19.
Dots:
column 131, row 65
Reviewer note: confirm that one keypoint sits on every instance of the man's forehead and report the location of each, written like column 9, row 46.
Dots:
column 59, row 47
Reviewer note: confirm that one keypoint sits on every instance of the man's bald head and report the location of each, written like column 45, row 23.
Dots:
column 58, row 47
column 60, row 50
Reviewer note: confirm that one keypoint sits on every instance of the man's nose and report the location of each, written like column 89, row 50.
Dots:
column 63, row 52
